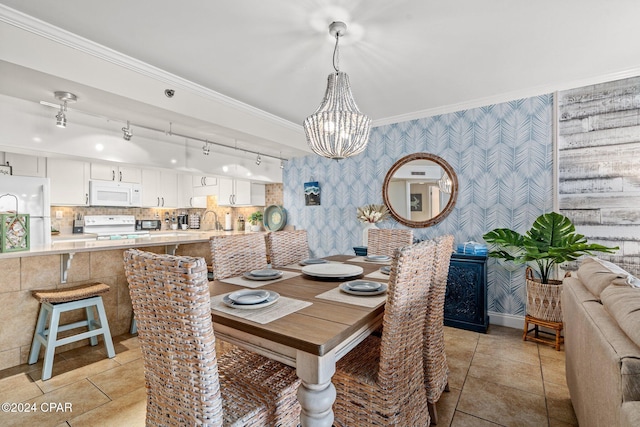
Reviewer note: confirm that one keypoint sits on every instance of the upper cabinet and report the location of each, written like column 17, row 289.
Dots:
column 159, row 189
column 108, row 172
column 187, row 197
column 24, row 165
column 205, row 181
column 239, row 192
column 69, row 182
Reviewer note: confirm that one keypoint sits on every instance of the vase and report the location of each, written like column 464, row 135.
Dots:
column 365, row 232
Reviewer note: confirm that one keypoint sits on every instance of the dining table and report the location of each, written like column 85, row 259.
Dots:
column 310, row 327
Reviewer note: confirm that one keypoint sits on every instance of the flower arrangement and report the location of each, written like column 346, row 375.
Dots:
column 372, row 213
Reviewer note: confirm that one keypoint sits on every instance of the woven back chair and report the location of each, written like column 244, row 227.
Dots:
column 380, row 382
column 233, row 255
column 186, row 383
column 436, row 369
column 287, row 247
column 386, row 241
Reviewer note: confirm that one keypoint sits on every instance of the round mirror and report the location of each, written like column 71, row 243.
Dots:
column 420, row 190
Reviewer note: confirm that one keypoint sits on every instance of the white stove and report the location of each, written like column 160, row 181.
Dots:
column 113, row 227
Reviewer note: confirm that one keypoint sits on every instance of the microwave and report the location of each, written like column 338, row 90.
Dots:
column 148, row 224
column 113, row 193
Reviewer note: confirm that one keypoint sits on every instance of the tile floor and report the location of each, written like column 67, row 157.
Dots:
column 496, row 380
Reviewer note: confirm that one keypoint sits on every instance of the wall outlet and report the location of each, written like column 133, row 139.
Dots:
column 58, row 214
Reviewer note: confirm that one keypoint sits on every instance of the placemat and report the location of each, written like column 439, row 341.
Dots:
column 366, row 301
column 378, row 275
column 282, row 307
column 299, row 267
column 362, row 259
column 241, row 281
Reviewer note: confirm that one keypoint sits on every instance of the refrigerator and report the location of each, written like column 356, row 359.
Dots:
column 33, row 198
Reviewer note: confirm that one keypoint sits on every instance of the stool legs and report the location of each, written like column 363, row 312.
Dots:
column 49, row 337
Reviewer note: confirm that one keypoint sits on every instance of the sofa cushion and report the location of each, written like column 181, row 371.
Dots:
column 597, row 274
column 622, row 302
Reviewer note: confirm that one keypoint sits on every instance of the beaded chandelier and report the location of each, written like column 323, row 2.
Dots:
column 337, row 129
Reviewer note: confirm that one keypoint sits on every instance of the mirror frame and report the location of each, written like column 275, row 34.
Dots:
column 447, row 209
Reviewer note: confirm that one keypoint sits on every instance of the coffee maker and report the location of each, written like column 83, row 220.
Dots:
column 183, row 218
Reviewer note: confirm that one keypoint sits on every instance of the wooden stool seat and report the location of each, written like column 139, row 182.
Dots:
column 54, row 302
column 557, row 326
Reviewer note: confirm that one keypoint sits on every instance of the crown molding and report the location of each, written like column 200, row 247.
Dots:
column 66, row 38
column 509, row 96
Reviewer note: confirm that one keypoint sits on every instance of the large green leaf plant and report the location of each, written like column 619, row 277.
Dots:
column 551, row 240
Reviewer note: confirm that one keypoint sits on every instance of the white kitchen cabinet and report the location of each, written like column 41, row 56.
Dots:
column 159, row 189
column 258, row 194
column 205, row 181
column 186, row 193
column 69, row 182
column 234, row 192
column 25, row 165
column 108, row 172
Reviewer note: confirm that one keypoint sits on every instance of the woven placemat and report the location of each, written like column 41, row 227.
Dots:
column 241, row 281
column 336, row 294
column 282, row 307
column 362, row 259
column 299, row 267
column 378, row 275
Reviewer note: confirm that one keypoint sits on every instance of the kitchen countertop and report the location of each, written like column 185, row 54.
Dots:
column 72, row 243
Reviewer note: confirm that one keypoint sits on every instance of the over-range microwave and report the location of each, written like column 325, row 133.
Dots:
column 113, row 193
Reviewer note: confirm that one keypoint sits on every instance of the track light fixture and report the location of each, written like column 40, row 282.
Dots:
column 281, row 164
column 258, row 160
column 205, row 148
column 127, row 134
column 61, row 117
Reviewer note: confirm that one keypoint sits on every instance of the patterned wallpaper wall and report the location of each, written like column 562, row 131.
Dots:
column 501, row 153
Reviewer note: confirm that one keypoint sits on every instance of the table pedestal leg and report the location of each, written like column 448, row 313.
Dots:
column 316, row 394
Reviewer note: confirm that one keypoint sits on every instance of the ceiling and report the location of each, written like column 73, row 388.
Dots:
column 270, row 59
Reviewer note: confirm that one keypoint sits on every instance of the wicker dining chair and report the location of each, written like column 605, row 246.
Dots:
column 436, row 369
column 232, row 255
column 187, row 383
column 380, row 382
column 386, row 241
column 287, row 247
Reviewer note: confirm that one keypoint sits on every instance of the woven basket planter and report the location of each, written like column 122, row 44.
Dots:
column 543, row 299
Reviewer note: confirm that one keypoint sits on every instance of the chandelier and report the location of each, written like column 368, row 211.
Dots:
column 337, row 129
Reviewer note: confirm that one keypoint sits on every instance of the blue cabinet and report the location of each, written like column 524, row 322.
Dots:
column 465, row 305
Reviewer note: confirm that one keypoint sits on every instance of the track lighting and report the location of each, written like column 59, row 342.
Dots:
column 206, row 148
column 281, row 164
column 61, row 117
column 127, row 134
column 258, row 160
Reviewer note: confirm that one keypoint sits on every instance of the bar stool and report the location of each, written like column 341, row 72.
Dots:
column 57, row 301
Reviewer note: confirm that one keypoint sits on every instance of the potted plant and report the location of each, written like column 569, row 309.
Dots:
column 551, row 240
column 255, row 219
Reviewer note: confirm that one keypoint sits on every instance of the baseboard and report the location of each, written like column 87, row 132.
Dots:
column 508, row 320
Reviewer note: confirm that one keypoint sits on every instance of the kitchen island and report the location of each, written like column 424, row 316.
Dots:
column 72, row 260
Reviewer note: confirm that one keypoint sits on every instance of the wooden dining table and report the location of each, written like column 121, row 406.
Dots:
column 311, row 339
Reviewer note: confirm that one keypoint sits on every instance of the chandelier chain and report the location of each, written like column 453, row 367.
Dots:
column 336, row 55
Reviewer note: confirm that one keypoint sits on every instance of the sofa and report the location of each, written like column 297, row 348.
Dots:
column 601, row 315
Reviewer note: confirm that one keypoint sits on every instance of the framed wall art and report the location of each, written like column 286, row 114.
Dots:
column 312, row 193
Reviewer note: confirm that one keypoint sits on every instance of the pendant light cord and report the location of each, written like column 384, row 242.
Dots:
column 336, row 56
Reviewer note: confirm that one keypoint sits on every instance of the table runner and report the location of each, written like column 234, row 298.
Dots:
column 336, row 294
column 362, row 259
column 282, row 307
column 241, row 281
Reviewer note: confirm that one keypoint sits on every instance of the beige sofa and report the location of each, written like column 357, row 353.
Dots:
column 601, row 314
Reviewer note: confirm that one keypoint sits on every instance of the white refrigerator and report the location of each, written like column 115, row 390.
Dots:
column 33, row 198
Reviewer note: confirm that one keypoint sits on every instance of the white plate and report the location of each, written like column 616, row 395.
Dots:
column 377, row 258
column 264, row 273
column 344, row 288
column 332, row 269
column 313, row 261
column 252, row 277
column 273, row 297
column 249, row 296
column 363, row 285
column 386, row 269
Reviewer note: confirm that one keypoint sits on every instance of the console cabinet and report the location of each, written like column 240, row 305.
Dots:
column 465, row 305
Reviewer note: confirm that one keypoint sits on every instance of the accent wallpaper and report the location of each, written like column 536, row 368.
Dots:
column 502, row 154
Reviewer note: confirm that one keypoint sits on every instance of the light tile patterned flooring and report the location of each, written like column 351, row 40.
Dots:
column 496, row 380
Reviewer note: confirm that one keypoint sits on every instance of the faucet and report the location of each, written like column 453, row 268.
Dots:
column 216, row 223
